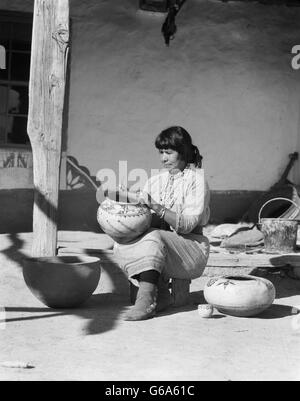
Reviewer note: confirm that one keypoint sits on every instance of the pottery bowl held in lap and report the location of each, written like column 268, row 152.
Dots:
column 242, row 296
column 62, row 281
column 123, row 222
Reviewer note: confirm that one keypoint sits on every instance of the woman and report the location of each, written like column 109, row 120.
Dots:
column 175, row 248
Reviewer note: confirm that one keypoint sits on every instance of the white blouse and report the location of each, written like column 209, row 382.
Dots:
column 186, row 193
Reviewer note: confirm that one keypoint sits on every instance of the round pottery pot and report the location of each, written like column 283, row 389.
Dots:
column 62, row 281
column 242, row 296
column 123, row 222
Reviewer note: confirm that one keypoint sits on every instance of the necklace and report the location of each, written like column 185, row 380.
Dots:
column 167, row 195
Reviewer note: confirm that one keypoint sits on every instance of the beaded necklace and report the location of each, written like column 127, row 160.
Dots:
column 167, row 195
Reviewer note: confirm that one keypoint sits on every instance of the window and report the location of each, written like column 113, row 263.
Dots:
column 15, row 37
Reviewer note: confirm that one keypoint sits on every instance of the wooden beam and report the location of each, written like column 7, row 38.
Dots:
column 49, row 57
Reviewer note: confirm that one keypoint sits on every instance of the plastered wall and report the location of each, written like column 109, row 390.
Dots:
column 227, row 78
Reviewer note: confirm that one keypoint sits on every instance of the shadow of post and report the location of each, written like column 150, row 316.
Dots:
column 102, row 310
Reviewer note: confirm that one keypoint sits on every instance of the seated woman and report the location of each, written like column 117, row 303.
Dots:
column 175, row 247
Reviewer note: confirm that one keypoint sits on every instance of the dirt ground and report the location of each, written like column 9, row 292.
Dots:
column 94, row 343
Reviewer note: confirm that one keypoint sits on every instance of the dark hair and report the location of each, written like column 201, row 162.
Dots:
column 177, row 138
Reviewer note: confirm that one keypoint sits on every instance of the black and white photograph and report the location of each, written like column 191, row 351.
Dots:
column 149, row 193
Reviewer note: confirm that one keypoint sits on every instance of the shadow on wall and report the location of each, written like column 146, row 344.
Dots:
column 78, row 205
column 78, row 209
column 101, row 311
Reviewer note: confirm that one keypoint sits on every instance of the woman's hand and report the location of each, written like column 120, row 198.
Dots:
column 146, row 199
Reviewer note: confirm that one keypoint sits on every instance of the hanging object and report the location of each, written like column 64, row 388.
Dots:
column 169, row 27
column 160, row 6
column 172, row 7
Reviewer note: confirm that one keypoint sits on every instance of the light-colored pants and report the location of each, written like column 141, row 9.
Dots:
column 171, row 254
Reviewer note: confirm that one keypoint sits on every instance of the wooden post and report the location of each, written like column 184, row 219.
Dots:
column 50, row 45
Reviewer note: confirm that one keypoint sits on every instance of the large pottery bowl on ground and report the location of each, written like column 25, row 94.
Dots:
column 123, row 222
column 62, row 281
column 242, row 296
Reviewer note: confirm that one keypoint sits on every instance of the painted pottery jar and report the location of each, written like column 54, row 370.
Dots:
column 123, row 222
column 242, row 296
column 62, row 281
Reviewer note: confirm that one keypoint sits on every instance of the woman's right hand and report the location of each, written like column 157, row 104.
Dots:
column 145, row 199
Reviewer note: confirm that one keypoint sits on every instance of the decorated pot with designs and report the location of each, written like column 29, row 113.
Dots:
column 242, row 296
column 123, row 222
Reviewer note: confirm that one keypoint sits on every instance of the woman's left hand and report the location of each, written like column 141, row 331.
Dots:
column 146, row 199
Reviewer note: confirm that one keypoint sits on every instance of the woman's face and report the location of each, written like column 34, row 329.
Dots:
column 171, row 160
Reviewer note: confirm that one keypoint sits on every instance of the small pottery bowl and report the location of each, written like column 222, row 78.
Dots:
column 205, row 311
